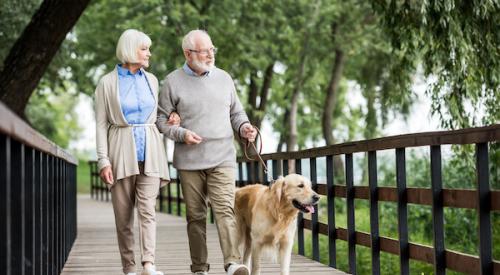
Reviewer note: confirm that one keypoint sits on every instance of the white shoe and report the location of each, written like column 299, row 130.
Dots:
column 151, row 271
column 237, row 269
column 200, row 273
column 131, row 273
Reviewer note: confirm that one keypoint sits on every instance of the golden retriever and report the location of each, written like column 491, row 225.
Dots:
column 266, row 218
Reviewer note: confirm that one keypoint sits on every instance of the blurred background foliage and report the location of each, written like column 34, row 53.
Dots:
column 316, row 52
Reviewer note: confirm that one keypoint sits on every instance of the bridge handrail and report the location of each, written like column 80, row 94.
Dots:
column 37, row 200
column 462, row 136
column 13, row 126
column 482, row 199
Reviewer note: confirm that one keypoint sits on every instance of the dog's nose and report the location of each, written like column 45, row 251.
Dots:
column 315, row 198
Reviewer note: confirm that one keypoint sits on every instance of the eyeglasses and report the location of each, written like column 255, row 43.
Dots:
column 205, row 52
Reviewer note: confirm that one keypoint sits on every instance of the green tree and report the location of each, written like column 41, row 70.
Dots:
column 457, row 42
column 34, row 49
column 60, row 124
column 13, row 18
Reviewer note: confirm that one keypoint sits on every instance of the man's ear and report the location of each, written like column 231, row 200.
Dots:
column 278, row 188
column 187, row 55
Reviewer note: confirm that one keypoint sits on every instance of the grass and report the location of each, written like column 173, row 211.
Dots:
column 388, row 228
column 83, row 177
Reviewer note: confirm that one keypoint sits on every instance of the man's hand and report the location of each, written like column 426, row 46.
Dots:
column 249, row 132
column 174, row 119
column 192, row 138
column 106, row 175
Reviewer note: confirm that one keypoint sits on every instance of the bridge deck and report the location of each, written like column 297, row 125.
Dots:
column 96, row 251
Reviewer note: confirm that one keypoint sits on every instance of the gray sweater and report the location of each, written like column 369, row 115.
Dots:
column 208, row 106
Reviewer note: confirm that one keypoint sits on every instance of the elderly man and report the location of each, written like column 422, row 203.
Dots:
column 205, row 98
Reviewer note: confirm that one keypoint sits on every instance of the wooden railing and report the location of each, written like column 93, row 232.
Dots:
column 37, row 200
column 482, row 199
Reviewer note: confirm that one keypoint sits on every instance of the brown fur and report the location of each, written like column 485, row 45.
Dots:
column 266, row 218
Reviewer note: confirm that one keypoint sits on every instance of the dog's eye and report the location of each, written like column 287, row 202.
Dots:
column 301, row 185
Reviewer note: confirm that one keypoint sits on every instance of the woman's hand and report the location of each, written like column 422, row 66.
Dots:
column 106, row 175
column 174, row 119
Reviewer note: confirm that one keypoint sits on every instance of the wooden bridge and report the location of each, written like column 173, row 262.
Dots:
column 42, row 233
column 95, row 250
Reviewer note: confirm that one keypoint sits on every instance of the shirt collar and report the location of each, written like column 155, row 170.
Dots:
column 124, row 72
column 190, row 72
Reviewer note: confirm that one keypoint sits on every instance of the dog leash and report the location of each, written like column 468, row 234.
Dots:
column 258, row 153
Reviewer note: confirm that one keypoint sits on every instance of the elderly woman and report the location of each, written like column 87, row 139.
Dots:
column 130, row 151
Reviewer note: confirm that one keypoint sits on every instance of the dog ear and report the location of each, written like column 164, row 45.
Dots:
column 278, row 188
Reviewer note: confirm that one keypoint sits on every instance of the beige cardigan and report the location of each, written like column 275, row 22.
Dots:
column 115, row 138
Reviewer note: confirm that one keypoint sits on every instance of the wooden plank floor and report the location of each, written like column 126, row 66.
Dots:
column 96, row 250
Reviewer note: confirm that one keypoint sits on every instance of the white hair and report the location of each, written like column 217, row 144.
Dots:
column 188, row 40
column 128, row 44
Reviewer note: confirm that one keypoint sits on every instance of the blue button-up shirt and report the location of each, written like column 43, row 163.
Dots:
column 137, row 102
column 192, row 73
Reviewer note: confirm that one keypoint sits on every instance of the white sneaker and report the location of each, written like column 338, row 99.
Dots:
column 200, row 273
column 151, row 271
column 237, row 269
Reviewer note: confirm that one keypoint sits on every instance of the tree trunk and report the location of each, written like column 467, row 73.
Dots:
column 31, row 54
column 370, row 128
column 252, row 97
column 284, row 134
column 330, row 102
column 292, row 136
column 294, row 105
column 264, row 93
column 281, row 141
column 255, row 114
column 371, row 114
column 331, row 97
column 292, row 122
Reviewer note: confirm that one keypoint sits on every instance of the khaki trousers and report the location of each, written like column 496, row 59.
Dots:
column 216, row 184
column 140, row 191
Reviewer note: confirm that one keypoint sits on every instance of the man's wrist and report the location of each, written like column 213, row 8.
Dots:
column 182, row 134
column 240, row 134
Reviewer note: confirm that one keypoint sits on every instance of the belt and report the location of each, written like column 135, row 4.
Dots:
column 141, row 166
column 133, row 125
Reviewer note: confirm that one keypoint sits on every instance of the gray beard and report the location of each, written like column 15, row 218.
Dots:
column 202, row 66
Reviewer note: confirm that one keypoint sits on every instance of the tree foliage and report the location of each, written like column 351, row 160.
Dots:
column 276, row 49
column 60, row 124
column 34, row 49
column 457, row 43
column 13, row 18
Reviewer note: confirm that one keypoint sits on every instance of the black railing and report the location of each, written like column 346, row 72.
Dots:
column 482, row 199
column 37, row 200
